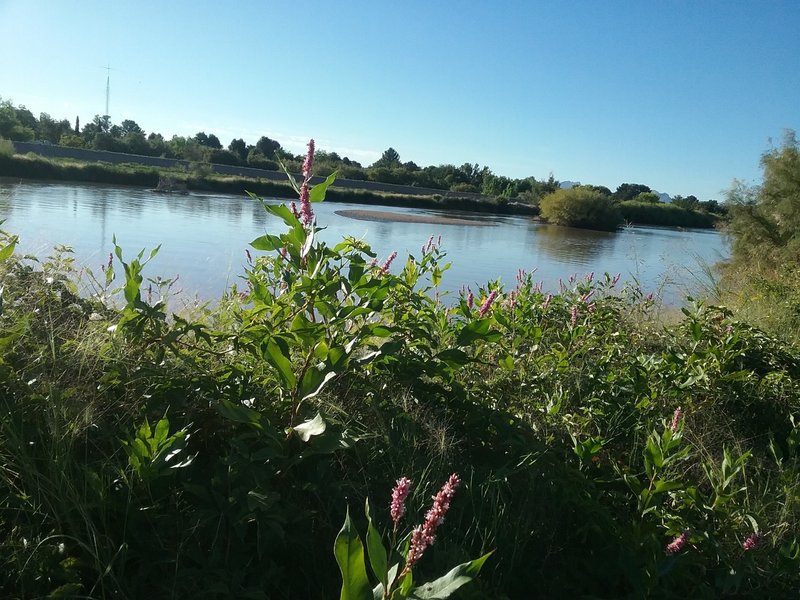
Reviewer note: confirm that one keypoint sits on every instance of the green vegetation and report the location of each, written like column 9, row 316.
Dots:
column 763, row 276
column 216, row 453
column 581, row 207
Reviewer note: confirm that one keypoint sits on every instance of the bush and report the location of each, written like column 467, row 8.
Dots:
column 581, row 207
column 7, row 147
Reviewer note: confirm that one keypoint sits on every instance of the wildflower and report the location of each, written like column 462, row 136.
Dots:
column 649, row 297
column 676, row 419
column 487, row 304
column 430, row 244
column 293, row 207
column 512, row 299
column 678, row 543
column 306, row 211
column 520, row 275
column 388, row 263
column 470, row 299
column 586, row 296
column 424, row 535
column 573, row 320
column 589, row 277
column 615, row 279
column 546, row 303
column 308, row 164
column 752, row 542
column 399, row 494
column 249, row 257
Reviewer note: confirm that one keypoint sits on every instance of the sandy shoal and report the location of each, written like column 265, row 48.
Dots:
column 381, row 215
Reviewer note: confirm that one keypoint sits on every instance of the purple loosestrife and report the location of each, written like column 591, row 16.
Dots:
column 399, row 494
column 424, row 535
column 487, row 304
column 678, row 543
column 573, row 319
column 293, row 207
column 470, row 299
column 676, row 419
column 752, row 542
column 388, row 263
column 615, row 279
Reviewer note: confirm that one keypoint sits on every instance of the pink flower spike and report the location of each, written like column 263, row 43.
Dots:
column 589, row 277
column 676, row 419
column 430, row 244
column 424, row 535
column 308, row 164
column 470, row 299
column 573, row 320
column 293, row 208
column 615, row 279
column 388, row 263
column 487, row 304
column 678, row 543
column 306, row 212
column 399, row 494
column 546, row 303
column 249, row 257
column 752, row 542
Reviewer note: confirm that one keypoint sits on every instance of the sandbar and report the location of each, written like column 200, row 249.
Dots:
column 383, row 215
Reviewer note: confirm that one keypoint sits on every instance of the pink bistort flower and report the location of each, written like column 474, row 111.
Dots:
column 424, row 535
column 399, row 494
column 678, row 543
column 487, row 304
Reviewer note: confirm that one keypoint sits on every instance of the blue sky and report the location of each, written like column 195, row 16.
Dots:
column 681, row 96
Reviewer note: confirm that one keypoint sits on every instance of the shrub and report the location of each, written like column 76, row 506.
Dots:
column 6, row 147
column 581, row 207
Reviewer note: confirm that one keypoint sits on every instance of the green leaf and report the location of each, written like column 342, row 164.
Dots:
column 446, row 585
column 310, row 428
column 507, row 362
column 349, row 552
column 281, row 362
column 317, row 193
column 313, row 381
column 477, row 330
column 454, row 357
column 267, row 243
column 7, row 251
column 239, row 413
column 378, row 559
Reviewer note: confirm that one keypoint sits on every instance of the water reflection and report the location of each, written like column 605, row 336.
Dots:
column 204, row 236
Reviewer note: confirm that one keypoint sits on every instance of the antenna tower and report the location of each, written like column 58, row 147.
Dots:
column 108, row 86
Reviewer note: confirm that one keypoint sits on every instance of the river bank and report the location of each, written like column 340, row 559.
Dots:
column 201, row 179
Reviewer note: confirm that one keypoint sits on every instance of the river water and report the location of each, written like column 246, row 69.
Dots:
column 203, row 238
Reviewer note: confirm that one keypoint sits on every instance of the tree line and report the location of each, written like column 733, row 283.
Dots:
column 19, row 124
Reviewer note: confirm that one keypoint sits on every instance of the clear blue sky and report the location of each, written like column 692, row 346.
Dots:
column 681, row 96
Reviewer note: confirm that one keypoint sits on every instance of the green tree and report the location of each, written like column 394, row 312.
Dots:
column 239, row 148
column 51, row 130
column 129, row 126
column 389, row 159
column 647, row 198
column 765, row 222
column 629, row 191
column 10, row 125
column 269, row 148
column 581, row 207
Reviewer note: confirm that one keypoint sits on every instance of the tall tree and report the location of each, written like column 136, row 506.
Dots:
column 268, row 147
column 389, row 159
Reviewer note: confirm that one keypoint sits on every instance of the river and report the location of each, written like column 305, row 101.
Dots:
column 203, row 238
